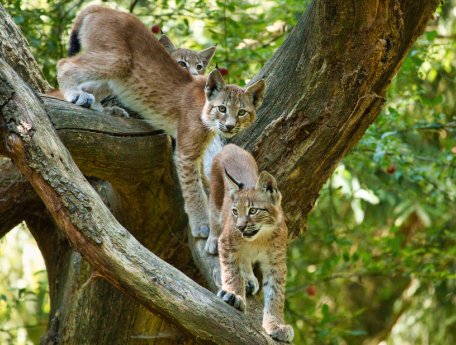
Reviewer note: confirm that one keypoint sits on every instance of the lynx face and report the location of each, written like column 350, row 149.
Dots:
column 193, row 61
column 230, row 108
column 257, row 211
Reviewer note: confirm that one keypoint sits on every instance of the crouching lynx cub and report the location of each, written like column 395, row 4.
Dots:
column 193, row 61
column 118, row 50
column 247, row 207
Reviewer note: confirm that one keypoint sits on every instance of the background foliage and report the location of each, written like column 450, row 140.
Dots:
column 379, row 262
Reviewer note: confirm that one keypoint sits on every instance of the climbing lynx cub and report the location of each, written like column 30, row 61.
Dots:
column 246, row 214
column 194, row 62
column 119, row 50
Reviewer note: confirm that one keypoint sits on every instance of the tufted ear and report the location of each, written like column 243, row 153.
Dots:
column 234, row 185
column 256, row 91
column 214, row 84
column 206, row 55
column 166, row 42
column 268, row 184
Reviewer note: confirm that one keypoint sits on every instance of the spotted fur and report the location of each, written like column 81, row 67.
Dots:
column 248, row 228
column 118, row 50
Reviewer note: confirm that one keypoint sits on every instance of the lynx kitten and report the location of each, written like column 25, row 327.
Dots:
column 193, row 61
column 246, row 214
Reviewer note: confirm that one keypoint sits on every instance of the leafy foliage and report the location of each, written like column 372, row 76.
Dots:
column 24, row 295
column 378, row 263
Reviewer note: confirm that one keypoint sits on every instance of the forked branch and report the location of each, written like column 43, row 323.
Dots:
column 36, row 150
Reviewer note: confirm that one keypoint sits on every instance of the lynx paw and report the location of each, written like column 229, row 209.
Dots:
column 232, row 299
column 282, row 333
column 251, row 285
column 82, row 99
column 212, row 245
column 115, row 111
column 200, row 231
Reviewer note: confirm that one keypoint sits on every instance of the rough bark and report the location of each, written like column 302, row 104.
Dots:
column 116, row 255
column 15, row 51
column 326, row 85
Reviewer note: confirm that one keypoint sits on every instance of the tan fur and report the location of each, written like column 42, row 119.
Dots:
column 254, row 232
column 193, row 61
column 118, row 50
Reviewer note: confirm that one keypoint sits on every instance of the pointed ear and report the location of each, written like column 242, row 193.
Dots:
column 166, row 42
column 256, row 91
column 234, row 185
column 214, row 84
column 206, row 55
column 268, row 184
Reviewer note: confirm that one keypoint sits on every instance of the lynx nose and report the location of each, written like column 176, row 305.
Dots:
column 229, row 127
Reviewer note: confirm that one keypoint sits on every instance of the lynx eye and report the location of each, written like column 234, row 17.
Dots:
column 222, row 108
column 182, row 63
column 242, row 112
column 234, row 211
column 253, row 211
column 199, row 67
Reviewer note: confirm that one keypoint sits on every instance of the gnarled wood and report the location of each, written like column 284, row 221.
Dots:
column 16, row 52
column 36, row 150
column 326, row 85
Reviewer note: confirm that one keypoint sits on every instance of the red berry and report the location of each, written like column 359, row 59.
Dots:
column 311, row 290
column 155, row 29
column 223, row 71
column 391, row 169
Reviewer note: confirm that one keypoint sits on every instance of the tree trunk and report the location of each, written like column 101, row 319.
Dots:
column 326, row 85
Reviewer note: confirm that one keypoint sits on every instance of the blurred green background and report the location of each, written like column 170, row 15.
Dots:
column 378, row 264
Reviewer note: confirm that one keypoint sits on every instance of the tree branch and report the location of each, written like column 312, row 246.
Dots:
column 326, row 85
column 36, row 150
column 16, row 52
column 17, row 197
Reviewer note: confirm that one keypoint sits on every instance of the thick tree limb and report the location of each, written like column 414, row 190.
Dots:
column 36, row 150
column 326, row 85
column 17, row 197
column 16, row 52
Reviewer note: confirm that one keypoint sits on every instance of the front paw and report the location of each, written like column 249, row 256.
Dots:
column 232, row 299
column 252, row 286
column 200, row 231
column 283, row 333
column 115, row 111
column 82, row 99
column 212, row 245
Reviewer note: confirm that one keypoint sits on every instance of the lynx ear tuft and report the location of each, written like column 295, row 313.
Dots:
column 214, row 84
column 235, row 186
column 207, row 54
column 166, row 42
column 268, row 184
column 256, row 91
